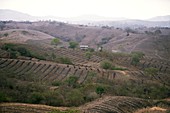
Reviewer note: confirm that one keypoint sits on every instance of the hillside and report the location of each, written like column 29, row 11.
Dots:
column 113, row 39
column 130, row 74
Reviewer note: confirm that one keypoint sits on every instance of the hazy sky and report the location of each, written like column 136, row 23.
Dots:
column 134, row 9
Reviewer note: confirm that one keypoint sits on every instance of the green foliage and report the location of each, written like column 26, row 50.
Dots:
column 13, row 54
column 72, row 81
column 75, row 97
column 53, row 56
column 23, row 51
column 118, row 68
column 55, row 41
column 8, row 46
column 56, row 83
column 151, row 71
column 88, row 55
column 73, row 44
column 36, row 98
column 106, row 64
column 36, row 55
column 53, row 98
column 3, row 97
column 17, row 50
column 136, row 56
column 64, row 60
column 100, row 90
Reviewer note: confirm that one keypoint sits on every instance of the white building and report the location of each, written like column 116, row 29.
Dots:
column 84, row 47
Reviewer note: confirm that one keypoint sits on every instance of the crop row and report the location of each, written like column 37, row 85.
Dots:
column 116, row 104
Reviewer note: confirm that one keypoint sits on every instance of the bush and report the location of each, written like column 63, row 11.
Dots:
column 64, row 60
column 8, row 47
column 75, row 97
column 55, row 41
column 100, row 90
column 118, row 68
column 88, row 55
column 136, row 56
column 15, row 51
column 72, row 81
column 3, row 97
column 56, row 83
column 36, row 98
column 151, row 71
column 23, row 51
column 73, row 45
column 54, row 98
column 106, row 64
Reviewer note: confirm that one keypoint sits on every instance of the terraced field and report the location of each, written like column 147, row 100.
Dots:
column 162, row 66
column 115, row 105
column 46, row 71
column 49, row 71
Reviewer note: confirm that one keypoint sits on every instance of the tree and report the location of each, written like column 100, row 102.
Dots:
column 55, row 41
column 73, row 44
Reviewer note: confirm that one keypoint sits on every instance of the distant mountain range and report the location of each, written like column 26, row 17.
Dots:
column 94, row 20
column 161, row 18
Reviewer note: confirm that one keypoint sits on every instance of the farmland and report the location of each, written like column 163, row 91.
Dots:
column 36, row 74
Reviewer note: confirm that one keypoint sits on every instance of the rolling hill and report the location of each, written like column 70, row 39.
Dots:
column 130, row 74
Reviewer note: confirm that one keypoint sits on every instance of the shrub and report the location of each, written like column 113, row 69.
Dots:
column 36, row 97
column 56, row 83
column 23, row 51
column 136, row 56
column 151, row 71
column 72, row 81
column 73, row 45
column 8, row 46
column 106, row 64
column 3, row 97
column 118, row 68
column 64, row 60
column 55, row 41
column 100, row 90
column 88, row 55
column 74, row 97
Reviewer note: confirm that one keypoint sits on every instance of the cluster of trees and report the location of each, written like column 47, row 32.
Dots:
column 15, row 50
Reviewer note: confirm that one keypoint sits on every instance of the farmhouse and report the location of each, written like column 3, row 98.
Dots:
column 84, row 47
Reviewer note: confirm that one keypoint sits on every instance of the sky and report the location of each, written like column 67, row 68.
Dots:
column 132, row 9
